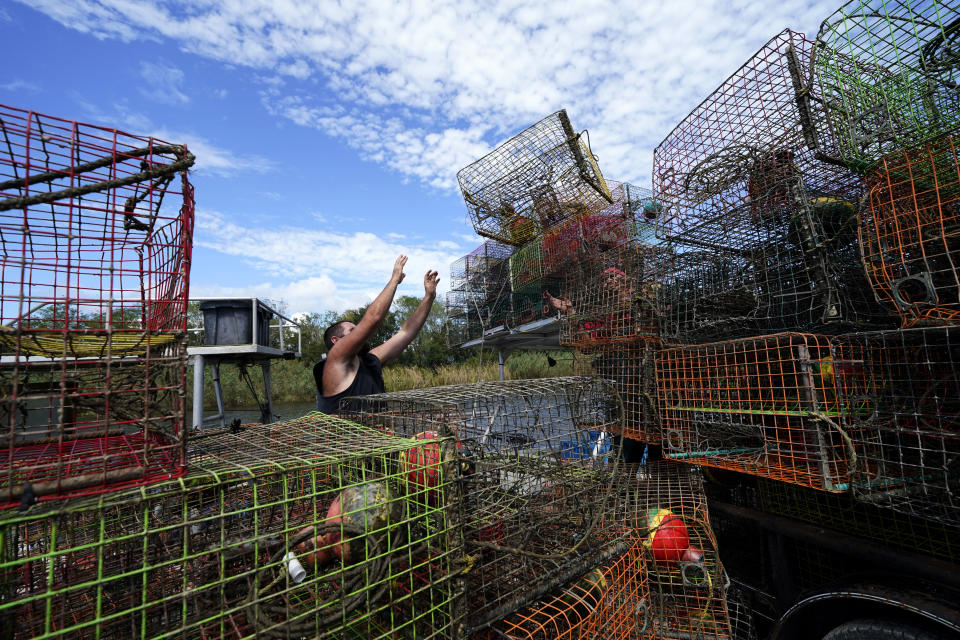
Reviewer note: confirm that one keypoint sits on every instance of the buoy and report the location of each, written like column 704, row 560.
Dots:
column 667, row 538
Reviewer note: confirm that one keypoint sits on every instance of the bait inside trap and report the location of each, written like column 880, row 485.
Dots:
column 95, row 232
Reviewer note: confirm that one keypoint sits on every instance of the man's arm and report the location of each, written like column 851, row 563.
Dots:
column 342, row 352
column 392, row 348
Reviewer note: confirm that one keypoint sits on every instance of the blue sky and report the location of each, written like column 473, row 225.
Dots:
column 328, row 135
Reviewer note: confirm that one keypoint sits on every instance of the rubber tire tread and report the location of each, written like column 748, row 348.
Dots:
column 879, row 630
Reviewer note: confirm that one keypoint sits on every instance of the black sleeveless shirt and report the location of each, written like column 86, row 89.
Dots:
column 369, row 380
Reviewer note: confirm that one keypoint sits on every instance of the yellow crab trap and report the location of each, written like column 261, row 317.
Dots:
column 95, row 241
column 887, row 75
column 533, row 458
column 314, row 527
column 910, row 232
column 900, row 397
column 631, row 367
column 610, row 298
column 772, row 406
column 761, row 232
column 534, row 181
column 664, row 504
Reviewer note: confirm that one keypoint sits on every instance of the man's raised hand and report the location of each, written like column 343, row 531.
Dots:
column 430, row 281
column 398, row 274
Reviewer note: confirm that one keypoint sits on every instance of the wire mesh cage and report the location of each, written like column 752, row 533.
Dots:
column 483, row 270
column 532, row 182
column 310, row 528
column 610, row 298
column 910, row 233
column 665, row 504
column 534, row 456
column 901, row 399
column 469, row 315
column 581, row 239
column 95, row 229
column 631, row 367
column 887, row 75
column 771, row 406
column 532, row 305
column 526, row 266
column 747, row 201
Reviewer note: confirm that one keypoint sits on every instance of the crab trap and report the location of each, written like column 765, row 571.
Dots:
column 533, row 458
column 762, row 232
column 772, row 406
column 581, row 239
column 483, row 271
column 469, row 315
column 910, row 233
column 887, row 75
column 631, row 367
column 610, row 299
column 95, row 230
column 901, row 399
column 534, row 181
column 526, row 266
column 664, row 504
column 314, row 527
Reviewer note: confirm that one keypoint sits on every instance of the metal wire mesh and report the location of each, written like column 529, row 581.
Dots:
column 762, row 232
column 665, row 504
column 887, row 71
column 362, row 512
column 631, row 366
column 901, row 392
column 610, row 298
column 534, row 456
column 533, row 182
column 482, row 270
column 772, row 406
column 910, row 233
column 95, row 240
column 526, row 266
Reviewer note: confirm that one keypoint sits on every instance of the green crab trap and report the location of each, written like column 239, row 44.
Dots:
column 664, row 504
column 314, row 527
column 771, row 406
column 901, row 397
column 761, row 232
column 887, row 75
column 95, row 239
column 534, row 455
column 631, row 367
column 609, row 299
column 910, row 233
column 534, row 181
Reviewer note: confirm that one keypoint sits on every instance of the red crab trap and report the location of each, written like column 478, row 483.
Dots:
column 771, row 406
column 902, row 402
column 910, row 233
column 534, row 457
column 664, row 503
column 761, row 231
column 631, row 367
column 95, row 228
column 887, row 75
column 611, row 298
column 310, row 528
column 532, row 182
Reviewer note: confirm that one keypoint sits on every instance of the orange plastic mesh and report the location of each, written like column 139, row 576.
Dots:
column 910, row 233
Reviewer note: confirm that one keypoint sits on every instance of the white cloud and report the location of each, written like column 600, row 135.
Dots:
column 163, row 83
column 314, row 270
column 18, row 85
column 424, row 88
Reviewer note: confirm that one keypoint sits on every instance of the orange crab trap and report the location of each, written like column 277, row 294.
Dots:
column 313, row 527
column 533, row 457
column 665, row 505
column 761, row 231
column 606, row 602
column 910, row 233
column 631, row 367
column 534, row 181
column 609, row 299
column 771, row 406
column 887, row 75
column 95, row 229
column 901, row 400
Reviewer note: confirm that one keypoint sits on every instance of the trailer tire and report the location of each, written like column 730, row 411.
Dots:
column 879, row 630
